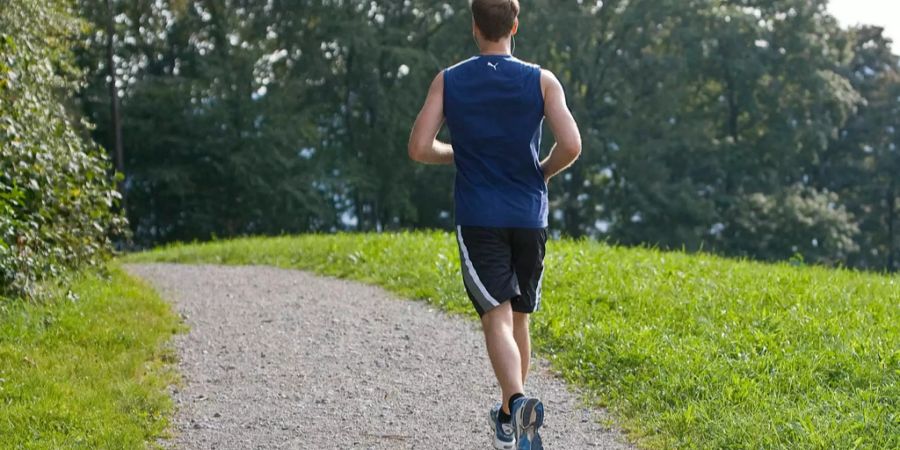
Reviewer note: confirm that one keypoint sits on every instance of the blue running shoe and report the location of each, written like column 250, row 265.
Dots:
column 527, row 418
column 503, row 432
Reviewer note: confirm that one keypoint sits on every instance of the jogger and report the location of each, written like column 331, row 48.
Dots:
column 495, row 105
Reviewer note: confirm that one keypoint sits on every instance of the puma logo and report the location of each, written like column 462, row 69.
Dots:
column 493, row 65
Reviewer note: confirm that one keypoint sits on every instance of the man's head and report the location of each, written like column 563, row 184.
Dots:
column 495, row 19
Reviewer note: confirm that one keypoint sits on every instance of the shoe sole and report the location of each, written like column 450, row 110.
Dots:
column 529, row 418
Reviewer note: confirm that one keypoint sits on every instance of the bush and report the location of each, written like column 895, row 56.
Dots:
column 799, row 221
column 56, row 197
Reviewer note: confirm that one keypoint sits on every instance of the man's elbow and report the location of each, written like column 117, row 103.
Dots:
column 572, row 149
column 415, row 151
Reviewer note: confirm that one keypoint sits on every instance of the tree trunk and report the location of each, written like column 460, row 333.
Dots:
column 572, row 211
column 891, row 199
column 732, row 107
column 115, row 117
column 731, row 88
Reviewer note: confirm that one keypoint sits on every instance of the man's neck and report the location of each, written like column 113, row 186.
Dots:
column 501, row 47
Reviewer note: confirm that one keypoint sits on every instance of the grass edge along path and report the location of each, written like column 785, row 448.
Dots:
column 687, row 351
column 90, row 370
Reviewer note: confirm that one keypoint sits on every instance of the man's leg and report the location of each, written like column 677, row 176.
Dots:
column 503, row 351
column 528, row 260
column 523, row 341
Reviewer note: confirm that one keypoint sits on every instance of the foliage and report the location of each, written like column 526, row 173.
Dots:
column 688, row 108
column 688, row 351
column 56, row 199
column 865, row 161
column 91, row 373
column 273, row 117
column 767, row 226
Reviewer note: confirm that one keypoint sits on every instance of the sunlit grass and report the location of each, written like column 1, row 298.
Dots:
column 86, row 371
column 687, row 351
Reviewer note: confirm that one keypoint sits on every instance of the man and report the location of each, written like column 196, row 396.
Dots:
column 494, row 105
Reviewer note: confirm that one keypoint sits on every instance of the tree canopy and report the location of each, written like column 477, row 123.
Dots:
column 756, row 128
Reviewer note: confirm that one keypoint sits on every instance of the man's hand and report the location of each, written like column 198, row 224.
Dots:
column 565, row 130
column 423, row 144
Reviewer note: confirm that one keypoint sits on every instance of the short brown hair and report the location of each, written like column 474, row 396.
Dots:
column 495, row 18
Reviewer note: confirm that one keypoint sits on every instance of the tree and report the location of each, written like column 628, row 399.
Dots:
column 115, row 118
column 703, row 120
column 220, row 142
column 864, row 161
column 690, row 109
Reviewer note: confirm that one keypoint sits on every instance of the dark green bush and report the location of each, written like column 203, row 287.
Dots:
column 56, row 196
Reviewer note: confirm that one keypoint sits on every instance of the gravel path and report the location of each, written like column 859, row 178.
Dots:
column 285, row 359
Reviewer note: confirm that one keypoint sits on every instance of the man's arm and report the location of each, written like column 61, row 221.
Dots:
column 565, row 130
column 423, row 144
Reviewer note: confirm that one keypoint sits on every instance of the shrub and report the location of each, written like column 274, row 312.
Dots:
column 777, row 227
column 56, row 197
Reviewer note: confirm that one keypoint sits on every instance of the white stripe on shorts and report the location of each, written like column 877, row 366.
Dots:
column 471, row 269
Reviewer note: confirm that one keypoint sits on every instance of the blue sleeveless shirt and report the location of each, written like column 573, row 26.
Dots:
column 494, row 110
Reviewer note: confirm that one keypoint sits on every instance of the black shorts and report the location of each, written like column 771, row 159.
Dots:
column 502, row 264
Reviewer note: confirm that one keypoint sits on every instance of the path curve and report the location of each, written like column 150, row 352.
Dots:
column 285, row 359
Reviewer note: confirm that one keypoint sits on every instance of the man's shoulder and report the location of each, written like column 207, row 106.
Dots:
column 527, row 63
column 462, row 63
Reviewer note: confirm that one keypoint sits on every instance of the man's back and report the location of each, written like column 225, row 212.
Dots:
column 494, row 108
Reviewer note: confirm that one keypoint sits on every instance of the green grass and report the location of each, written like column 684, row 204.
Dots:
column 89, row 370
column 687, row 351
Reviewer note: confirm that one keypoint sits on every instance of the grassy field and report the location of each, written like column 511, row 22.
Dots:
column 687, row 351
column 89, row 370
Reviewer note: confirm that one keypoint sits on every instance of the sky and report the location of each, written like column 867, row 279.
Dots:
column 885, row 13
